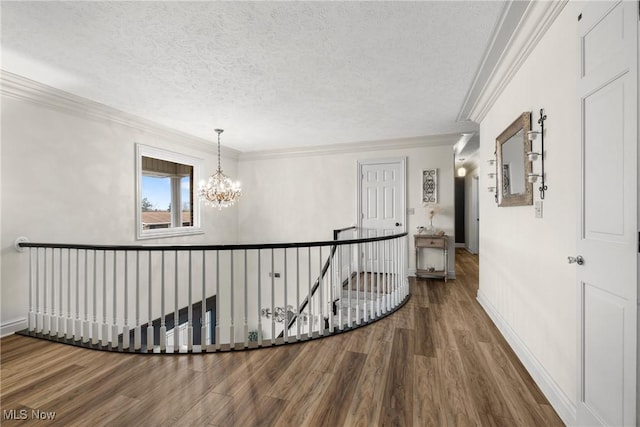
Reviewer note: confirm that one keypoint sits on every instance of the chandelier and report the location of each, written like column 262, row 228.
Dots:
column 220, row 191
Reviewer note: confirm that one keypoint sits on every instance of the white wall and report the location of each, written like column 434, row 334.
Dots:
column 304, row 198
column 70, row 178
column 526, row 284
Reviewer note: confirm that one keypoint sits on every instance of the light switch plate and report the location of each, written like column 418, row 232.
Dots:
column 411, row 211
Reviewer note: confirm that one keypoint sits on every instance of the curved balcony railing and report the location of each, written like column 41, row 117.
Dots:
column 208, row 298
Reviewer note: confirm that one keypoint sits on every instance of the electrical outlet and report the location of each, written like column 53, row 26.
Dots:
column 538, row 208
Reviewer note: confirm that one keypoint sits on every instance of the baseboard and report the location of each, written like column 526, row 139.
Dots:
column 460, row 245
column 470, row 251
column 565, row 408
column 12, row 326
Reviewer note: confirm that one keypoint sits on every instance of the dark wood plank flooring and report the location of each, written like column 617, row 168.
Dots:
column 438, row 361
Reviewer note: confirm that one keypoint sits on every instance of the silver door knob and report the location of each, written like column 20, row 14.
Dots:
column 576, row 260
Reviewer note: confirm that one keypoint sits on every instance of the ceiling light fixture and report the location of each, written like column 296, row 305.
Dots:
column 219, row 191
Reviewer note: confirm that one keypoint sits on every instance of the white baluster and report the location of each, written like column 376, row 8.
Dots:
column 190, row 309
column 285, row 334
column 150, row 331
column 53, row 320
column 31, row 318
column 364, row 283
column 176, row 312
column 203, row 306
column 114, row 325
column 298, row 318
column 232, row 333
column 217, row 333
column 340, row 293
column 320, row 294
column 105, row 327
column 331, row 273
column 137, row 336
column 273, row 308
column 125, row 329
column 86, row 329
column 246, row 304
column 163, row 313
column 349, row 290
column 61, row 318
column 45, row 309
column 259, row 297
column 77, row 327
column 310, row 297
column 356, row 255
column 385, row 275
column 94, row 324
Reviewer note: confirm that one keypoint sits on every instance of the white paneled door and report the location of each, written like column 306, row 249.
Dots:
column 607, row 247
column 382, row 201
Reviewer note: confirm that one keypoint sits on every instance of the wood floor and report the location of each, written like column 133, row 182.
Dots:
column 437, row 361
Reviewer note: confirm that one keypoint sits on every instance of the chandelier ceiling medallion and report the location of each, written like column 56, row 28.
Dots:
column 220, row 191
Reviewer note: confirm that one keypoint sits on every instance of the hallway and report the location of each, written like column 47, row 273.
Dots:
column 437, row 361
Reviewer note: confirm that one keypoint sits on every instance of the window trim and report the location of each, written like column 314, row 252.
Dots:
column 170, row 156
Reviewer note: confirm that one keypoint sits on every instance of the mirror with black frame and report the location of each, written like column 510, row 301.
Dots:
column 513, row 165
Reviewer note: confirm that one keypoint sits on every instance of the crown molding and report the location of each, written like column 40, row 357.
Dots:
column 520, row 28
column 353, row 147
column 21, row 88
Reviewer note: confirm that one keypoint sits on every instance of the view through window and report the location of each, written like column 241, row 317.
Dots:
column 166, row 195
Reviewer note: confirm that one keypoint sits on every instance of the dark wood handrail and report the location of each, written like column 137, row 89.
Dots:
column 191, row 247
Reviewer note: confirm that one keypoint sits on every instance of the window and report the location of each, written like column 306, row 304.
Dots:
column 166, row 204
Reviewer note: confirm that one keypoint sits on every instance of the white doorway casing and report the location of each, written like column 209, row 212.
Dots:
column 608, row 214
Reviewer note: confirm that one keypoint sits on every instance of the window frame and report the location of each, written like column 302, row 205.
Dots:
column 170, row 156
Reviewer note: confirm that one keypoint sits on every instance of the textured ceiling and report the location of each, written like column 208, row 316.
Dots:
column 272, row 74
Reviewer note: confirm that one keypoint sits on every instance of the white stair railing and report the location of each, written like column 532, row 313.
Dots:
column 207, row 298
